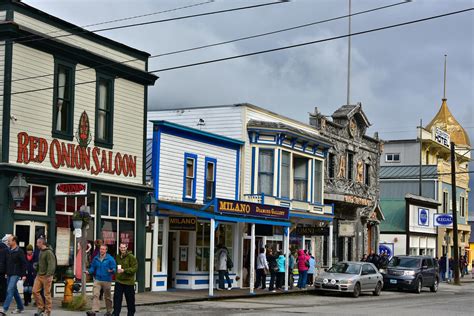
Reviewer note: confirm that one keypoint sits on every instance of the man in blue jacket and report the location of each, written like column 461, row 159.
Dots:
column 102, row 268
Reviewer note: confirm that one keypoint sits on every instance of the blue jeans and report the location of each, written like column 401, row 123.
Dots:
column 302, row 279
column 12, row 292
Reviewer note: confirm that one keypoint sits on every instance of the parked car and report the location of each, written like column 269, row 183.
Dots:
column 412, row 273
column 350, row 277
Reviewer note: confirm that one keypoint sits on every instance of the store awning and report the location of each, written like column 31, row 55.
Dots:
column 317, row 217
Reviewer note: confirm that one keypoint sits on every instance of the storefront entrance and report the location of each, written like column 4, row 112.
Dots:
column 171, row 282
column 28, row 232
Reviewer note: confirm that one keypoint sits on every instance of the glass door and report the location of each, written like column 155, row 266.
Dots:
column 28, row 231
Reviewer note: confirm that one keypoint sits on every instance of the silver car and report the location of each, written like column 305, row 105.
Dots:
column 350, row 277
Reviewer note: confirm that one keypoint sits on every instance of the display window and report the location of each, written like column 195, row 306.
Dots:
column 35, row 200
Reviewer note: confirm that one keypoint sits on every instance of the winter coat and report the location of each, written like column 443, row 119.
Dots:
column 281, row 263
column 272, row 264
column 262, row 261
column 100, row 268
column 3, row 257
column 130, row 266
column 46, row 262
column 442, row 263
column 302, row 259
column 221, row 259
column 16, row 262
column 312, row 265
column 30, row 272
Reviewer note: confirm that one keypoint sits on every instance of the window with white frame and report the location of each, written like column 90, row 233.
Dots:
column 35, row 200
column 117, row 221
column 265, row 171
column 392, row 157
column 445, row 202
column 462, row 206
column 210, row 179
column 300, row 178
column 159, row 258
column 203, row 234
column 285, row 174
column 225, row 237
column 190, row 165
column 318, row 181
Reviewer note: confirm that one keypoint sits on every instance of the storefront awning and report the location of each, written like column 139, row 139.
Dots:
column 310, row 216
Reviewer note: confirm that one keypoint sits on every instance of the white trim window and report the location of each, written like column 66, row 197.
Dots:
column 318, row 181
column 35, row 201
column 118, row 221
column 203, row 235
column 392, row 157
column 300, row 178
column 285, row 174
column 265, row 171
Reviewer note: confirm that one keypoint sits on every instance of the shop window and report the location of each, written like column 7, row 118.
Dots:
column 189, row 185
column 225, row 237
column 159, row 247
column 413, row 251
column 318, row 182
column 63, row 100
column 202, row 246
column 104, row 111
column 116, row 224
column 285, row 174
column 350, row 165
column 183, row 250
column 265, row 171
column 210, row 179
column 35, row 200
column 300, row 179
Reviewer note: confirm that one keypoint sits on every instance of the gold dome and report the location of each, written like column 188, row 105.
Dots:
column 446, row 121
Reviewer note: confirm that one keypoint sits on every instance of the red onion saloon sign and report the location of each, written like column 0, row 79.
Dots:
column 95, row 160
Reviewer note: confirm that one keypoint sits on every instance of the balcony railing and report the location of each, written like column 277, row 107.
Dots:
column 293, row 205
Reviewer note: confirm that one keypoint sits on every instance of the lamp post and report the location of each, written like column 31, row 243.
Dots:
column 18, row 188
column 150, row 205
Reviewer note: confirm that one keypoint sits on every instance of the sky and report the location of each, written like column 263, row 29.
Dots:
column 396, row 74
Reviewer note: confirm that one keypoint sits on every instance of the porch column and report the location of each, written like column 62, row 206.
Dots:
column 252, row 259
column 211, row 258
column 287, row 256
column 154, row 250
column 330, row 238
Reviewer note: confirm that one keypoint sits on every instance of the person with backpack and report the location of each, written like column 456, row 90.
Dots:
column 311, row 270
column 44, row 278
column 224, row 264
column 281, row 270
column 273, row 267
column 303, row 266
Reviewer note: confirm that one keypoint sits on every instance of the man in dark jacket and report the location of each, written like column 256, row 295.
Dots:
column 127, row 266
column 16, row 269
column 3, row 267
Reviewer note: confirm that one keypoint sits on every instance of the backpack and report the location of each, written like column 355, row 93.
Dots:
column 229, row 262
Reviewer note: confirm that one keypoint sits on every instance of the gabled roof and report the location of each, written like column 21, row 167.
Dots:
column 348, row 111
column 408, row 172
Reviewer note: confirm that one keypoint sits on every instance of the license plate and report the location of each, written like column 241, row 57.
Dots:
column 393, row 281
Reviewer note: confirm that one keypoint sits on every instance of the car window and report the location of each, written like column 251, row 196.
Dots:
column 370, row 269
column 430, row 263
column 404, row 262
column 343, row 267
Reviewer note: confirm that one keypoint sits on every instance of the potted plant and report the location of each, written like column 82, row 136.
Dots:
column 80, row 219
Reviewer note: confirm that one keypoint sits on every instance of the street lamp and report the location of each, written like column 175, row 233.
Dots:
column 150, row 205
column 18, row 188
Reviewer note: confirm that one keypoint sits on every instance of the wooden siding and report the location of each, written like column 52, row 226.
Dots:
column 34, row 110
column 225, row 121
column 73, row 40
column 2, row 72
column 172, row 150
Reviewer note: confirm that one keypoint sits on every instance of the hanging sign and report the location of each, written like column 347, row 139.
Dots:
column 182, row 223
column 252, row 209
column 312, row 231
column 445, row 220
column 68, row 189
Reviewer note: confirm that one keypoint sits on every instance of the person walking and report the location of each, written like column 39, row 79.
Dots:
column 4, row 248
column 281, row 271
column 273, row 268
column 15, row 270
column 95, row 253
column 442, row 267
column 44, row 277
column 262, row 266
column 291, row 267
column 30, row 276
column 223, row 265
column 127, row 266
column 303, row 266
column 102, row 268
column 311, row 270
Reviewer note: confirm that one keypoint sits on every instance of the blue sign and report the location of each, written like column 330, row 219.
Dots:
column 443, row 219
column 386, row 248
column 423, row 217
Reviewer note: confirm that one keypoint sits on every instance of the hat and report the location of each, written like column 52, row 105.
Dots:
column 5, row 238
column 29, row 247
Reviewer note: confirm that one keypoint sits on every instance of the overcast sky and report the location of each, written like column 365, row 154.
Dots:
column 397, row 74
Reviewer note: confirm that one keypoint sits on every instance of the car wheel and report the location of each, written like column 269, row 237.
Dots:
column 378, row 289
column 418, row 286
column 356, row 292
column 434, row 288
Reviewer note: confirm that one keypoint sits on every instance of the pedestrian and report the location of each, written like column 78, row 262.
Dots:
column 291, row 267
column 442, row 267
column 273, row 268
column 44, row 277
column 364, row 258
column 15, row 270
column 451, row 267
column 30, row 275
column 303, row 266
column 223, row 264
column 262, row 268
column 97, row 244
column 311, row 270
column 281, row 270
column 127, row 267
column 4, row 248
column 462, row 264
column 103, row 267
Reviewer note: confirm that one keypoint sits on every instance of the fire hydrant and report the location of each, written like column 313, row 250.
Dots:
column 68, row 286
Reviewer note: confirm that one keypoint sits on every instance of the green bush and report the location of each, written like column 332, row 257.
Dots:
column 79, row 303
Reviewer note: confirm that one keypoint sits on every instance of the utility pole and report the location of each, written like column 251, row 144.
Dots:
column 421, row 152
column 349, row 58
column 455, row 216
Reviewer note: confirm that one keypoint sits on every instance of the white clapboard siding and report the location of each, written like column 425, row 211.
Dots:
column 74, row 40
column 34, row 110
column 2, row 72
column 172, row 151
column 225, row 121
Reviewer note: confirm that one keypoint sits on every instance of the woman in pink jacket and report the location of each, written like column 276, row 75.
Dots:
column 303, row 266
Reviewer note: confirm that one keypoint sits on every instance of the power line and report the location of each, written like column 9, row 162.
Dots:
column 150, row 22
column 226, row 42
column 121, row 19
column 274, row 49
column 311, row 42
